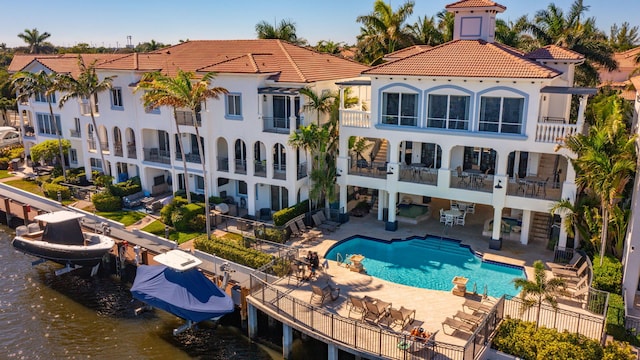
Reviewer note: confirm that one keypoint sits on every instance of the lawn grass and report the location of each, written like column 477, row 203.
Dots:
column 28, row 186
column 157, row 228
column 5, row 174
column 123, row 216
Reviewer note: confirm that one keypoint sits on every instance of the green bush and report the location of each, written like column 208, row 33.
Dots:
column 104, row 201
column 57, row 180
column 227, row 250
column 616, row 350
column 182, row 217
column 607, row 277
column 194, row 197
column 4, row 163
column 271, row 234
column 167, row 211
column 51, row 191
column 198, row 222
column 281, row 217
column 125, row 188
column 522, row 339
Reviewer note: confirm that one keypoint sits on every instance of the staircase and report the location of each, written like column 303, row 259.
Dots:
column 540, row 227
column 381, row 155
column 546, row 166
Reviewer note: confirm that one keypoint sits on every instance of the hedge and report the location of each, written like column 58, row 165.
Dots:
column 51, row 191
column 281, row 217
column 232, row 252
column 607, row 277
column 125, row 188
column 271, row 234
column 104, row 201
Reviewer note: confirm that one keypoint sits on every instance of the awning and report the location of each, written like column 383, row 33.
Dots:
column 354, row 83
column 279, row 91
column 189, row 294
column 568, row 90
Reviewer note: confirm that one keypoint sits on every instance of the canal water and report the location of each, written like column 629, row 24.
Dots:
column 75, row 316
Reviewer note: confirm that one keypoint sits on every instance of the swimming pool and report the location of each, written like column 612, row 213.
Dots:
column 429, row 263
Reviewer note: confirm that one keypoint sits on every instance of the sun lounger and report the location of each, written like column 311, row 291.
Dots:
column 356, row 305
column 294, row 230
column 577, row 294
column 573, row 264
column 376, row 309
column 469, row 318
column 571, row 272
column 476, row 306
column 402, row 316
column 324, row 219
column 301, row 226
column 322, row 226
column 324, row 293
column 457, row 325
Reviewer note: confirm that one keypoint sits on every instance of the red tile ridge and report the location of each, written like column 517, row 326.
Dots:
column 474, row 3
column 293, row 63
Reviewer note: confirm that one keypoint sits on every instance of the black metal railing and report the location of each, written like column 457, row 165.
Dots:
column 75, row 133
column 131, row 151
column 302, row 170
column 275, row 125
column 157, row 155
column 241, row 166
column 223, row 163
column 186, row 118
column 191, row 158
column 117, row 149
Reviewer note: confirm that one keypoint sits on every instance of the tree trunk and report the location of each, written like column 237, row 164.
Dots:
column 204, row 174
column 55, row 128
column 106, row 170
column 184, row 158
column 605, row 228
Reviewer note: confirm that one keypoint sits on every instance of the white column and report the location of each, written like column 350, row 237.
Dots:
column 287, row 340
column 251, row 198
column 252, row 321
column 343, row 198
column 562, row 240
column 332, row 350
column 497, row 223
column 381, row 195
column 392, row 206
column 526, row 225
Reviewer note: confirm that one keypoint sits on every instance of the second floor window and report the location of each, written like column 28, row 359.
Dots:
column 448, row 112
column 73, row 156
column 46, row 125
column 234, row 106
column 96, row 163
column 501, row 115
column 116, row 99
column 400, row 109
column 40, row 97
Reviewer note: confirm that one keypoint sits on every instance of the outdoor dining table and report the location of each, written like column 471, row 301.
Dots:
column 533, row 183
column 476, row 178
column 453, row 212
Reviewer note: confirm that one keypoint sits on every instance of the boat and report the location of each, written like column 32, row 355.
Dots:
column 62, row 240
column 177, row 286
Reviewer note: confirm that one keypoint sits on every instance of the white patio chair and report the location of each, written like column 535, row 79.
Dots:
column 471, row 208
column 442, row 216
column 460, row 219
column 449, row 220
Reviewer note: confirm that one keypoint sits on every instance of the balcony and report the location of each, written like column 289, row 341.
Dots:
column 355, row 118
column 280, row 171
column 190, row 158
column 241, row 166
column 91, row 143
column 75, row 133
column 131, row 151
column 553, row 130
column 535, row 188
column 275, row 125
column 302, row 170
column 117, row 149
column 419, row 174
column 186, row 118
column 260, row 168
column 156, row 155
column 223, row 164
column 473, row 180
column 372, row 169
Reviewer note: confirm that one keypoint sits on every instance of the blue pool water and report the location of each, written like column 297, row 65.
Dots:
column 429, row 263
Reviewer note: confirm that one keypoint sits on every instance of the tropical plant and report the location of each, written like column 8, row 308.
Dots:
column 553, row 26
column 580, row 222
column 329, row 47
column 445, row 24
column 624, row 37
column 425, row 31
column 183, row 91
column 359, row 146
column 35, row 39
column 86, row 87
column 6, row 104
column 605, row 159
column 539, row 290
column 511, row 34
column 151, row 45
column 319, row 103
column 28, row 84
column 285, row 30
column 383, row 30
column 48, row 150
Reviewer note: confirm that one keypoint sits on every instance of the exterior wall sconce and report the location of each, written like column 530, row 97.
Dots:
column 499, row 185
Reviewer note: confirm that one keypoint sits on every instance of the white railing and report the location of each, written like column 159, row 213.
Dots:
column 555, row 133
column 355, row 118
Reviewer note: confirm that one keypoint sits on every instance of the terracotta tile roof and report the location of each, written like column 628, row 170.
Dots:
column 474, row 3
column 408, row 51
column 467, row 58
column 554, row 52
column 62, row 63
column 636, row 82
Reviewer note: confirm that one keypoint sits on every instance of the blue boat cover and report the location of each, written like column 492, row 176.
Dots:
column 189, row 294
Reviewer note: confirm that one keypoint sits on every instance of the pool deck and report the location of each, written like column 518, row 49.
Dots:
column 432, row 306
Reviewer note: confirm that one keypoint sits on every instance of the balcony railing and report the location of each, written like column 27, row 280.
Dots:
column 191, row 158
column 223, row 163
column 555, row 132
column 157, row 155
column 260, row 168
column 472, row 180
column 280, row 171
column 92, row 144
column 302, row 170
column 75, row 133
column 117, row 149
column 104, row 146
column 369, row 169
column 131, row 151
column 536, row 188
column 355, row 118
column 275, row 125
column 186, row 118
column 419, row 174
column 241, row 166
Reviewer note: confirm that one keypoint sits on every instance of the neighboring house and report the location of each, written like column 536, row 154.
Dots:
column 619, row 78
column 9, row 136
column 471, row 121
column 245, row 132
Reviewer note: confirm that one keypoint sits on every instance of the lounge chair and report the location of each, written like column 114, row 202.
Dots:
column 577, row 294
column 402, row 316
column 322, row 226
column 476, row 306
column 356, row 305
column 571, row 272
column 376, row 309
column 573, row 264
column 457, row 325
column 295, row 271
column 326, row 292
column 301, row 226
column 324, row 219
column 469, row 318
column 294, row 230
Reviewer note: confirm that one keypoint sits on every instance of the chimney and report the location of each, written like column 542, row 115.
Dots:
column 475, row 19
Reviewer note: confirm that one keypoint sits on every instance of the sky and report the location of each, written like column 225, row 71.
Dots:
column 109, row 23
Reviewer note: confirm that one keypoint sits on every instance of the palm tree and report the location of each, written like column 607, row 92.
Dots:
column 320, row 103
column 425, row 31
column 28, row 84
column 34, row 39
column 152, row 45
column 329, row 47
column 183, row 91
column 605, row 161
column 285, row 30
column 624, row 37
column 540, row 289
column 552, row 26
column 511, row 33
column 86, row 87
column 445, row 25
column 385, row 27
column 6, row 104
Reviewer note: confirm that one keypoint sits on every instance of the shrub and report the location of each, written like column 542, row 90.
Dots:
column 104, row 201
column 167, row 211
column 194, row 197
column 182, row 217
column 198, row 222
column 616, row 350
column 125, row 188
column 607, row 277
column 271, row 234
column 226, row 250
column 281, row 217
column 4, row 163
column 51, row 191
